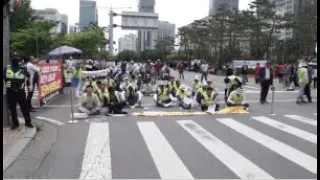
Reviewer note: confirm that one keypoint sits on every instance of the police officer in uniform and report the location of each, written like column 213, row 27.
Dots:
column 15, row 76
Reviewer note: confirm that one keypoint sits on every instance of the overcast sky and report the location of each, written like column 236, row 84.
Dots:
column 179, row 12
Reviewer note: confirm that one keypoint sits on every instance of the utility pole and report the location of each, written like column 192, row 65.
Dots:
column 111, row 32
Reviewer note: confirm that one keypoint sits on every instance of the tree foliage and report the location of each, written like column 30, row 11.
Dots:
column 165, row 45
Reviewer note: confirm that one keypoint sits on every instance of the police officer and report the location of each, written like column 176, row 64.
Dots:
column 14, row 79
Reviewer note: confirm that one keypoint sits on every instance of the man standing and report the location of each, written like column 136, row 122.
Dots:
column 266, row 79
column 244, row 72
column 204, row 69
column 14, row 78
column 303, row 80
column 33, row 70
column 180, row 69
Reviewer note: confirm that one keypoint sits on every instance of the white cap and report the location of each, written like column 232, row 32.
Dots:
column 182, row 87
column 302, row 64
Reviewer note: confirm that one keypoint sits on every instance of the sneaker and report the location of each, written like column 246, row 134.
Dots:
column 29, row 125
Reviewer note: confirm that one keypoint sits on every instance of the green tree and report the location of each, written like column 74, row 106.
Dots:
column 165, row 45
column 127, row 55
column 22, row 16
column 33, row 39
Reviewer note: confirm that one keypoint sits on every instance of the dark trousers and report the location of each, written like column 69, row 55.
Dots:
column 314, row 82
column 204, row 75
column 116, row 108
column 181, row 75
column 307, row 92
column 246, row 105
column 265, row 85
column 15, row 97
column 30, row 93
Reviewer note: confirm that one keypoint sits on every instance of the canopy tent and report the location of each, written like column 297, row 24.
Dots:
column 64, row 50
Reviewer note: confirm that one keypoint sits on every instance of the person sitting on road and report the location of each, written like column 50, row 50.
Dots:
column 232, row 82
column 207, row 99
column 91, row 81
column 196, row 84
column 176, row 88
column 171, row 84
column 182, row 94
column 210, row 84
column 109, row 82
column 200, row 91
column 124, row 86
column 114, row 102
column 101, row 91
column 89, row 102
column 237, row 98
column 133, row 96
column 162, row 95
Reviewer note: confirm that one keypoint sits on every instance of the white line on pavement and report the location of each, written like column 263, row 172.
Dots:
column 287, row 128
column 286, row 151
column 53, row 121
column 302, row 119
column 96, row 163
column 237, row 163
column 168, row 163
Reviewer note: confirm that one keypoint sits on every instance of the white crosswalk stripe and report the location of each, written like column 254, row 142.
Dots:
column 170, row 164
column 302, row 119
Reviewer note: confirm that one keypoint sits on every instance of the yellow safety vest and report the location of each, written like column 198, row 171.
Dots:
column 163, row 95
column 237, row 99
column 200, row 90
column 182, row 94
column 117, row 94
column 208, row 99
column 171, row 85
column 16, row 77
column 109, row 82
column 302, row 73
column 101, row 93
column 196, row 86
column 232, row 79
column 84, row 100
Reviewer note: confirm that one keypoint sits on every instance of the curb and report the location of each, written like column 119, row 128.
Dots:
column 19, row 146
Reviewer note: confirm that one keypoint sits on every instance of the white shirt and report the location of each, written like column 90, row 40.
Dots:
column 267, row 76
column 204, row 67
column 31, row 68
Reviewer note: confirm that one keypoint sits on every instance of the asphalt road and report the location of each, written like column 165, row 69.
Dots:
column 251, row 146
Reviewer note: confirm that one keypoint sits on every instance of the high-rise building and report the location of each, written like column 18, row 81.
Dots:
column 128, row 42
column 50, row 14
column 88, row 13
column 146, row 5
column 166, row 29
column 146, row 39
column 217, row 5
column 283, row 7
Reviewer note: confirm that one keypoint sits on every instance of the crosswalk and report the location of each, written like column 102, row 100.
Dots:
column 285, row 149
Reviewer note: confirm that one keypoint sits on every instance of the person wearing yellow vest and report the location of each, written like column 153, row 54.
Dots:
column 109, row 82
column 237, row 98
column 182, row 94
column 101, row 91
column 14, row 77
column 200, row 91
column 171, row 84
column 232, row 83
column 207, row 100
column 91, row 81
column 114, row 102
column 196, row 84
column 303, row 80
column 89, row 102
column 175, row 88
column 162, row 95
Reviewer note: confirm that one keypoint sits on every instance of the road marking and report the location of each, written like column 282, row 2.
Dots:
column 252, row 87
column 168, row 163
column 96, row 162
column 286, row 128
column 237, row 163
column 286, row 151
column 302, row 119
column 53, row 121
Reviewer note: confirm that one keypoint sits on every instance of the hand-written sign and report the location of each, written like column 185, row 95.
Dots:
column 50, row 79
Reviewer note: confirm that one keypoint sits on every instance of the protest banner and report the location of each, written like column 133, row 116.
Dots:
column 50, row 81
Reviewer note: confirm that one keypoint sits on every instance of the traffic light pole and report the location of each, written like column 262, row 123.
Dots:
column 111, row 33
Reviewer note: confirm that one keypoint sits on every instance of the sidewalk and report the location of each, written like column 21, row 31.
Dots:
column 14, row 142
